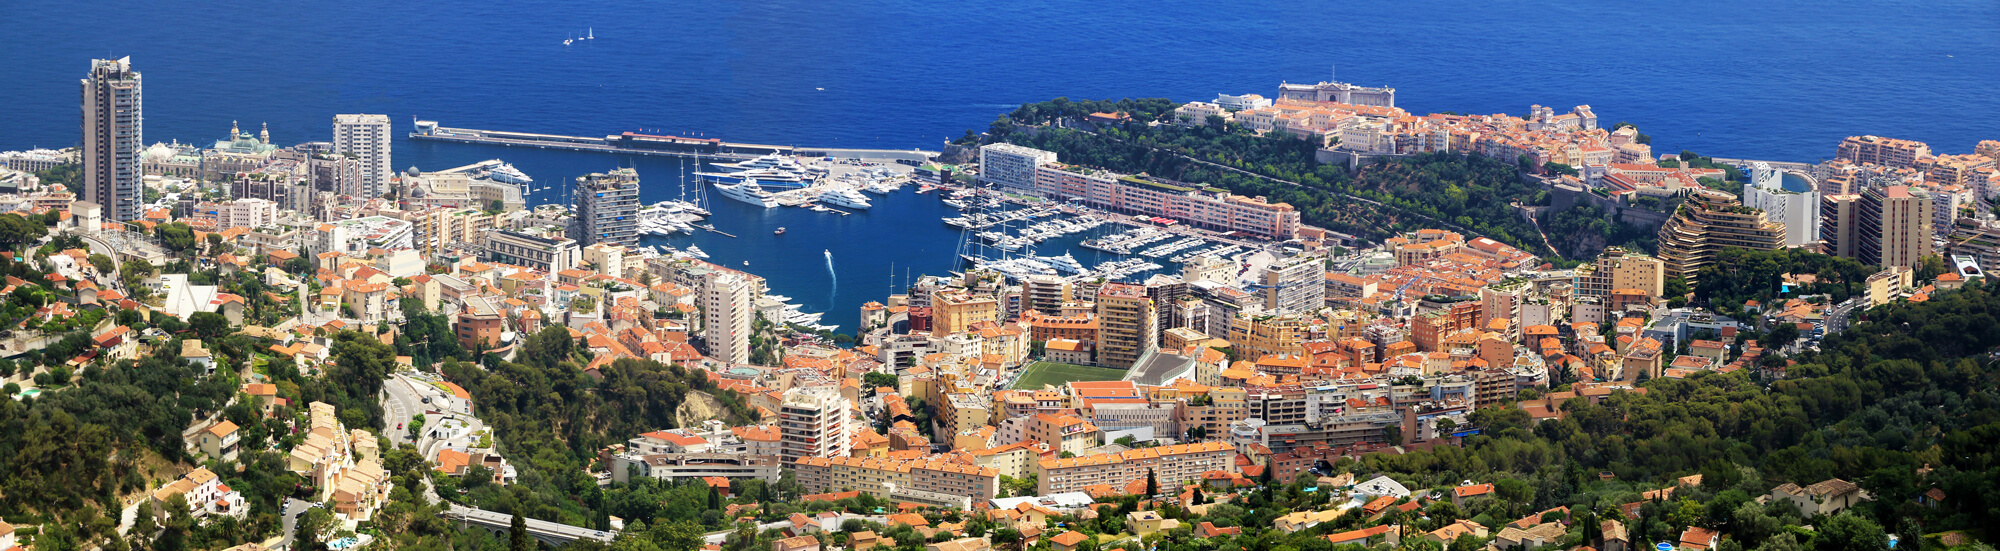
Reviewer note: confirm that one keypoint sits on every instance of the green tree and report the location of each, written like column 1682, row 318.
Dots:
column 1848, row 531
column 517, row 534
column 1152, row 483
column 175, row 236
column 209, row 325
column 103, row 263
column 877, row 379
column 1782, row 333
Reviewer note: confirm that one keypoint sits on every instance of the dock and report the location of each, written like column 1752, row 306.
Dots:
column 632, row 143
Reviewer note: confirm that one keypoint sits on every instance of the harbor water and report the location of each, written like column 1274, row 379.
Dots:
column 1782, row 80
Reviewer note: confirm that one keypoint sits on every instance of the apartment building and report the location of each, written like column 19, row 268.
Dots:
column 1170, row 465
column 897, row 480
column 954, row 311
column 1428, row 330
column 727, row 309
column 1194, row 205
column 1422, row 246
column 607, row 208
column 367, row 139
column 1256, row 334
column 1710, row 221
column 1839, row 217
column 1882, row 151
column 813, row 422
column 1127, row 324
column 1064, row 433
column 1797, row 211
column 247, row 213
column 1617, row 268
column 549, row 255
column 1044, row 293
column 1209, row 415
column 1296, row 284
column 480, row 324
column 1892, row 226
column 113, row 137
column 1011, row 166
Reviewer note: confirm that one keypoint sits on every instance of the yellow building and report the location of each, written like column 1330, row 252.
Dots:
column 1617, row 268
column 1127, row 324
column 1256, row 336
column 953, row 312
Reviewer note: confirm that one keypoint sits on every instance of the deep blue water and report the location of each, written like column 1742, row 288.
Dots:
column 1779, row 79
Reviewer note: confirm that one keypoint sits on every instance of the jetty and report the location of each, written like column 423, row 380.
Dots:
column 634, row 143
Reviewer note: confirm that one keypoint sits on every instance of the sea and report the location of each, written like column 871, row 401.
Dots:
column 1772, row 79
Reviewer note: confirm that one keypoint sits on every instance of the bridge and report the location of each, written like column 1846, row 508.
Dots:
column 552, row 533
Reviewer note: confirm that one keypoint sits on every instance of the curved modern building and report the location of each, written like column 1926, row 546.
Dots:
column 1709, row 221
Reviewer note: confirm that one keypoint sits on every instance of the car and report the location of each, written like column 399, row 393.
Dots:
column 399, row 426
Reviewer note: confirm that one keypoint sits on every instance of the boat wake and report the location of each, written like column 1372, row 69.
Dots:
column 835, row 276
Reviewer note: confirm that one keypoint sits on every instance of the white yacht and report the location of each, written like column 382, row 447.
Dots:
column 776, row 161
column 695, row 252
column 767, row 177
column 748, row 192
column 843, row 196
column 508, row 174
column 1065, row 263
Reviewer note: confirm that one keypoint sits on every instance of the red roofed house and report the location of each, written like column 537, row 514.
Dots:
column 1461, row 493
column 1365, row 537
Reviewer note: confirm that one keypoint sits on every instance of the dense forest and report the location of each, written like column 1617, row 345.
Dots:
column 1899, row 405
column 551, row 419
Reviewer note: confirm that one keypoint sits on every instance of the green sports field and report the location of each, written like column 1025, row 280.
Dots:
column 1051, row 373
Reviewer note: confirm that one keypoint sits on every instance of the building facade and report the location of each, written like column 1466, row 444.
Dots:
column 607, row 208
column 366, row 138
column 1127, row 324
column 1296, row 284
column 113, row 137
column 546, row 254
column 1708, row 222
column 727, row 309
column 1893, row 226
column 812, row 422
column 1011, row 166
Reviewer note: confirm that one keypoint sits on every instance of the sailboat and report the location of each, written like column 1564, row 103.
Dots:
column 590, row 34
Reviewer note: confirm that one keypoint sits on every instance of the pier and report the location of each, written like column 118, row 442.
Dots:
column 648, row 144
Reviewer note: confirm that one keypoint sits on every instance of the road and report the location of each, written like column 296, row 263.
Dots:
column 293, row 508
column 401, row 400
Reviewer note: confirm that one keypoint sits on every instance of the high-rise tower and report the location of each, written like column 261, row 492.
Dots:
column 113, row 131
column 366, row 138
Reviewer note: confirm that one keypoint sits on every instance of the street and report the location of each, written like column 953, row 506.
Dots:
column 401, row 400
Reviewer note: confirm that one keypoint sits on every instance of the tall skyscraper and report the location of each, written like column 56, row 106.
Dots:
column 1128, row 324
column 1892, row 226
column 366, row 137
column 607, row 208
column 813, row 423
column 726, row 311
column 113, row 131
